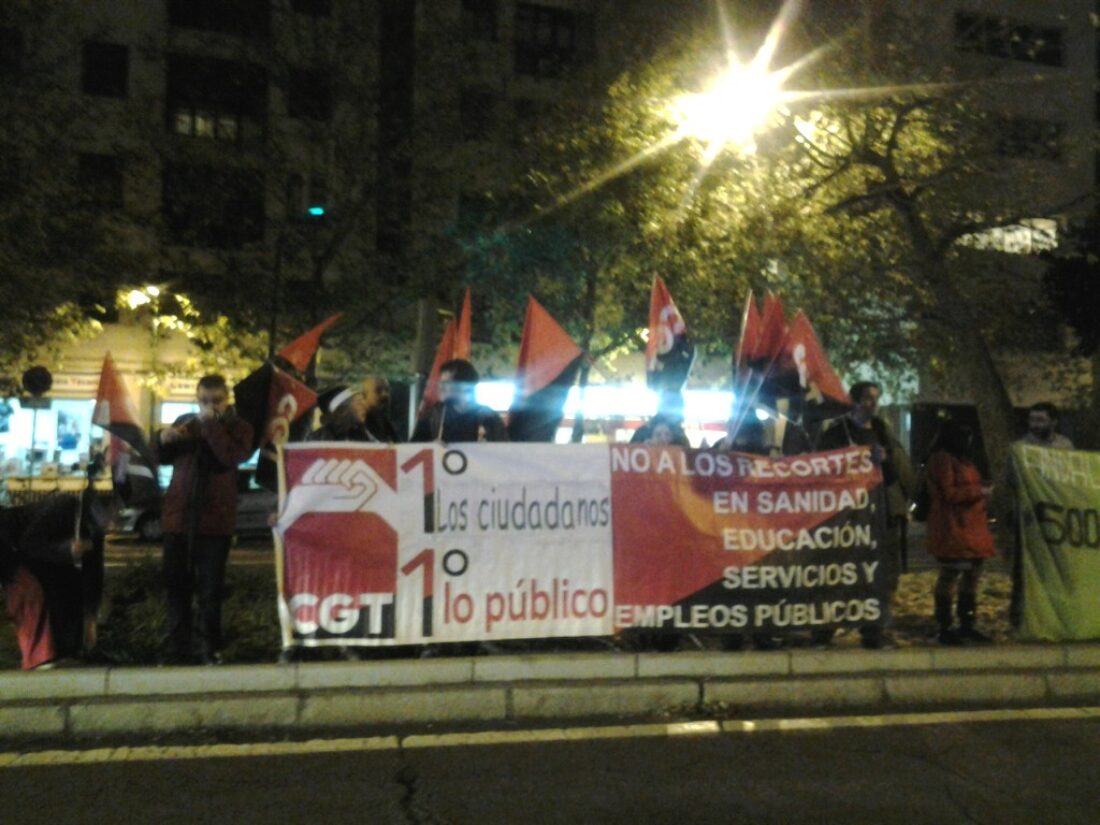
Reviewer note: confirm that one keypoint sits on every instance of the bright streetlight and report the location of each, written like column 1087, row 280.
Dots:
column 729, row 112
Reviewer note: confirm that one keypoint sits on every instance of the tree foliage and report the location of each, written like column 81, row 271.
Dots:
column 855, row 206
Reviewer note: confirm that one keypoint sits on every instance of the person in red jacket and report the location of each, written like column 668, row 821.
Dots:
column 958, row 531
column 199, row 515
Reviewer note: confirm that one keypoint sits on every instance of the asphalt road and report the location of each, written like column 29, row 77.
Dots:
column 1020, row 771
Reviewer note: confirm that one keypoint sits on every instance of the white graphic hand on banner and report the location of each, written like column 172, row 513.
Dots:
column 336, row 486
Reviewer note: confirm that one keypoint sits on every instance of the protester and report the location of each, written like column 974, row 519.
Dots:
column 458, row 417
column 376, row 392
column 51, row 568
column 863, row 427
column 745, row 433
column 199, row 515
column 958, row 530
column 1042, row 431
column 348, row 414
column 661, row 429
column 1042, row 427
column 343, row 415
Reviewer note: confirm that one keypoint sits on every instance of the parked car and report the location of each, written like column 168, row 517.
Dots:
column 254, row 504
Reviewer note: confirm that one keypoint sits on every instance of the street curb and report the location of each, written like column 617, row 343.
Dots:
column 73, row 704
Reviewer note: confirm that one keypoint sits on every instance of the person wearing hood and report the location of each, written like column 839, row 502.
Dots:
column 458, row 418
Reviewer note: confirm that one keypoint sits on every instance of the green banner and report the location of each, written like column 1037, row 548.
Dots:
column 1059, row 521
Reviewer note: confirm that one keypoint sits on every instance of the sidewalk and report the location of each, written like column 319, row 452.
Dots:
column 70, row 705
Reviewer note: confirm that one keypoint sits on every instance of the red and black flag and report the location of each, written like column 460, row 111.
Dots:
column 271, row 400
column 455, row 343
column 299, row 352
column 816, row 379
column 133, row 464
column 669, row 351
column 548, row 364
column 776, row 360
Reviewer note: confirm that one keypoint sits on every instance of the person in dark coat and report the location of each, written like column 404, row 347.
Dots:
column 51, row 568
column 661, row 429
column 458, row 417
column 343, row 415
column 376, row 392
column 863, row 427
column 199, row 515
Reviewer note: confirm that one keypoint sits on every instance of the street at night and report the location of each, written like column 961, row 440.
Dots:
column 1014, row 771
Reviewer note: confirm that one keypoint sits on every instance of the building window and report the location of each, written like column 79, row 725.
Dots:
column 309, row 94
column 106, row 69
column 213, row 98
column 11, row 50
column 479, row 19
column 1011, row 39
column 314, row 8
column 549, row 40
column 100, row 180
column 1030, row 139
column 245, row 18
column 216, row 207
column 203, row 123
column 476, row 113
column 1029, row 237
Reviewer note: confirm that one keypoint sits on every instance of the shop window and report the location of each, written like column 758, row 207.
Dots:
column 551, row 40
column 100, row 180
column 309, row 94
column 216, row 207
column 106, row 69
column 479, row 19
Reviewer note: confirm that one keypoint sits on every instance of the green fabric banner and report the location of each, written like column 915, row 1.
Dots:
column 1058, row 496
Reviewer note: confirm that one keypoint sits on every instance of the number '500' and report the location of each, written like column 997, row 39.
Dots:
column 1069, row 525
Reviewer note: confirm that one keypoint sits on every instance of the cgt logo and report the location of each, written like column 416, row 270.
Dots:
column 338, row 614
column 337, row 485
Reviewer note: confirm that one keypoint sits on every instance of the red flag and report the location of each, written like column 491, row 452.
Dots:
column 548, row 364
column 816, row 376
column 462, row 331
column 288, row 399
column 665, row 324
column 113, row 404
column 749, row 341
column 444, row 353
column 545, row 350
column 271, row 400
column 301, row 350
column 134, row 474
column 773, row 329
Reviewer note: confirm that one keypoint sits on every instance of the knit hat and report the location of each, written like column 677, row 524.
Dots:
column 331, row 399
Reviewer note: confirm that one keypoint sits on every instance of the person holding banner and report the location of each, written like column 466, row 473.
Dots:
column 959, row 537
column 343, row 416
column 199, row 515
column 865, row 428
column 661, row 429
column 376, row 393
column 1042, row 431
column 458, row 418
